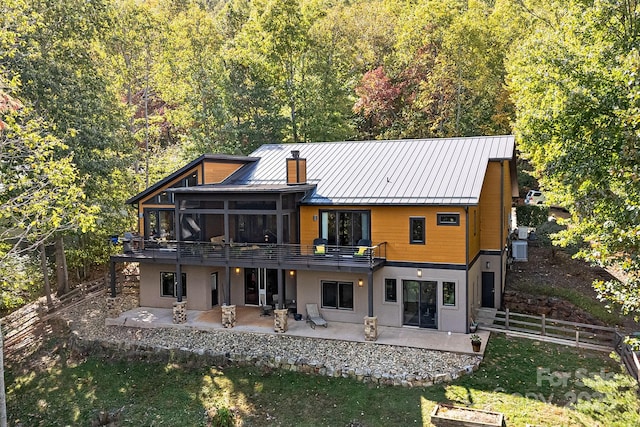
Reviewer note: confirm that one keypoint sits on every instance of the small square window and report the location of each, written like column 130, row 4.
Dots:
column 449, row 293
column 390, row 290
column 416, row 226
column 448, row 219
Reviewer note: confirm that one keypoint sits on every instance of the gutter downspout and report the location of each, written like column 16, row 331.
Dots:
column 466, row 268
column 502, row 219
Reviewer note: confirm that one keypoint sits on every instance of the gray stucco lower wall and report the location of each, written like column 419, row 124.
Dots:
column 389, row 313
column 198, row 286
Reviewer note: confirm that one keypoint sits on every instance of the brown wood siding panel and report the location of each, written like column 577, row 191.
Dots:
column 445, row 244
column 491, row 208
column 296, row 171
column 215, row 172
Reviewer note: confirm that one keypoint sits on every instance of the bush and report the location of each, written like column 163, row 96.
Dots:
column 532, row 215
column 223, row 418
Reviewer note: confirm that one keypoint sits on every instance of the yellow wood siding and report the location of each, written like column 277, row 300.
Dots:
column 215, row 172
column 492, row 208
column 390, row 224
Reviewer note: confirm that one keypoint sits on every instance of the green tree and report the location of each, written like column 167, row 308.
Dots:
column 574, row 82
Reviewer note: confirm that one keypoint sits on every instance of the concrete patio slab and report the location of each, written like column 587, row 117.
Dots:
column 249, row 319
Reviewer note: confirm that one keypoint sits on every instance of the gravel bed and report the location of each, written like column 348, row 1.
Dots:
column 336, row 358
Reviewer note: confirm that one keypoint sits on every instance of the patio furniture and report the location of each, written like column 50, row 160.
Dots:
column 313, row 316
column 266, row 311
column 320, row 246
column 363, row 248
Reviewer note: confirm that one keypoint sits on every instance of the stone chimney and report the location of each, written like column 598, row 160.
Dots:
column 296, row 169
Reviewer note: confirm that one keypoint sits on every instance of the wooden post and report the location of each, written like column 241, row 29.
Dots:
column 577, row 337
column 506, row 318
column 544, row 326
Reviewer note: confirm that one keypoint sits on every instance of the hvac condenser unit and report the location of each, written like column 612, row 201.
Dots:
column 519, row 250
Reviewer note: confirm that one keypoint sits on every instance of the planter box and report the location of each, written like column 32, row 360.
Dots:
column 456, row 416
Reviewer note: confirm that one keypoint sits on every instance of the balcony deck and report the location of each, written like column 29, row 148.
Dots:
column 264, row 255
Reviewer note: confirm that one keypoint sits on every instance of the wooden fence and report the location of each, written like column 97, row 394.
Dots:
column 628, row 355
column 581, row 335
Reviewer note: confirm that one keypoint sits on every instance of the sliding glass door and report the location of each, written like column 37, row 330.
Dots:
column 419, row 299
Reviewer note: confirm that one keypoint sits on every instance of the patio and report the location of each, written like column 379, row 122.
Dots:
column 249, row 319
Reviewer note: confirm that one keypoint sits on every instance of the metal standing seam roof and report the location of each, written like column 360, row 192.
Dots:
column 443, row 171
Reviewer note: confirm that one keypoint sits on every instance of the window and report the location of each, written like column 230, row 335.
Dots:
column 169, row 284
column 337, row 295
column 390, row 290
column 417, row 230
column 159, row 224
column 449, row 293
column 448, row 219
column 345, row 228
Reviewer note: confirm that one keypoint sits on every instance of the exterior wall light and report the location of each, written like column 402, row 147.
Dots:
column 360, row 283
column 292, row 273
column 237, row 270
column 419, row 272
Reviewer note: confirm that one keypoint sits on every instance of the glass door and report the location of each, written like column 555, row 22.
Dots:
column 419, row 301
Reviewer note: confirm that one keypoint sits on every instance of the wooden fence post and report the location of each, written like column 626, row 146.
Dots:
column 544, row 326
column 577, row 337
column 506, row 318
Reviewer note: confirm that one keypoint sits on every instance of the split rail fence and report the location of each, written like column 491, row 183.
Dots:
column 582, row 335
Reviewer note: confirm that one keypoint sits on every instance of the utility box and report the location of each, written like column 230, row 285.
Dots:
column 523, row 233
column 519, row 250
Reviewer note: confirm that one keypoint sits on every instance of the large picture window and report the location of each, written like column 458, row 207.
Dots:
column 169, row 285
column 416, row 230
column 338, row 295
column 345, row 228
column 160, row 224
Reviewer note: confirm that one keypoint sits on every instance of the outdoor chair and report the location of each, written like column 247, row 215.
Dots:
column 363, row 248
column 320, row 246
column 313, row 316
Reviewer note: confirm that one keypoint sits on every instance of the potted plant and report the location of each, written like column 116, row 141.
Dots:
column 473, row 326
column 476, row 341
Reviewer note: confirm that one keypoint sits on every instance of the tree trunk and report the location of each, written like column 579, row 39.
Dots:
column 62, row 274
column 45, row 275
column 3, row 395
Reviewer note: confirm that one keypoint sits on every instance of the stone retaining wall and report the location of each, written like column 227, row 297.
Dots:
column 126, row 350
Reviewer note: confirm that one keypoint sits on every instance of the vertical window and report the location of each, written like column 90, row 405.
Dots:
column 338, row 295
column 449, row 293
column 169, row 285
column 417, row 232
column 475, row 221
column 390, row 290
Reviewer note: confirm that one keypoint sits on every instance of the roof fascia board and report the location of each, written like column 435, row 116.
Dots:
column 187, row 168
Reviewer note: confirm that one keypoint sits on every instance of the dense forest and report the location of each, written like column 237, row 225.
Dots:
column 99, row 98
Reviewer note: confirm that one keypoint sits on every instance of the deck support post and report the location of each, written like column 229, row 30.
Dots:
column 112, row 274
column 370, row 292
column 370, row 328
column 280, row 320
column 228, row 316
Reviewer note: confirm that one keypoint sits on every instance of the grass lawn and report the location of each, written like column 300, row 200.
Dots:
column 530, row 382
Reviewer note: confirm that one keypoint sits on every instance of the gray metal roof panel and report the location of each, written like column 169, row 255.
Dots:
column 427, row 171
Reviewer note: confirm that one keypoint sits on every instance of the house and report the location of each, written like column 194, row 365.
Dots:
column 398, row 233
